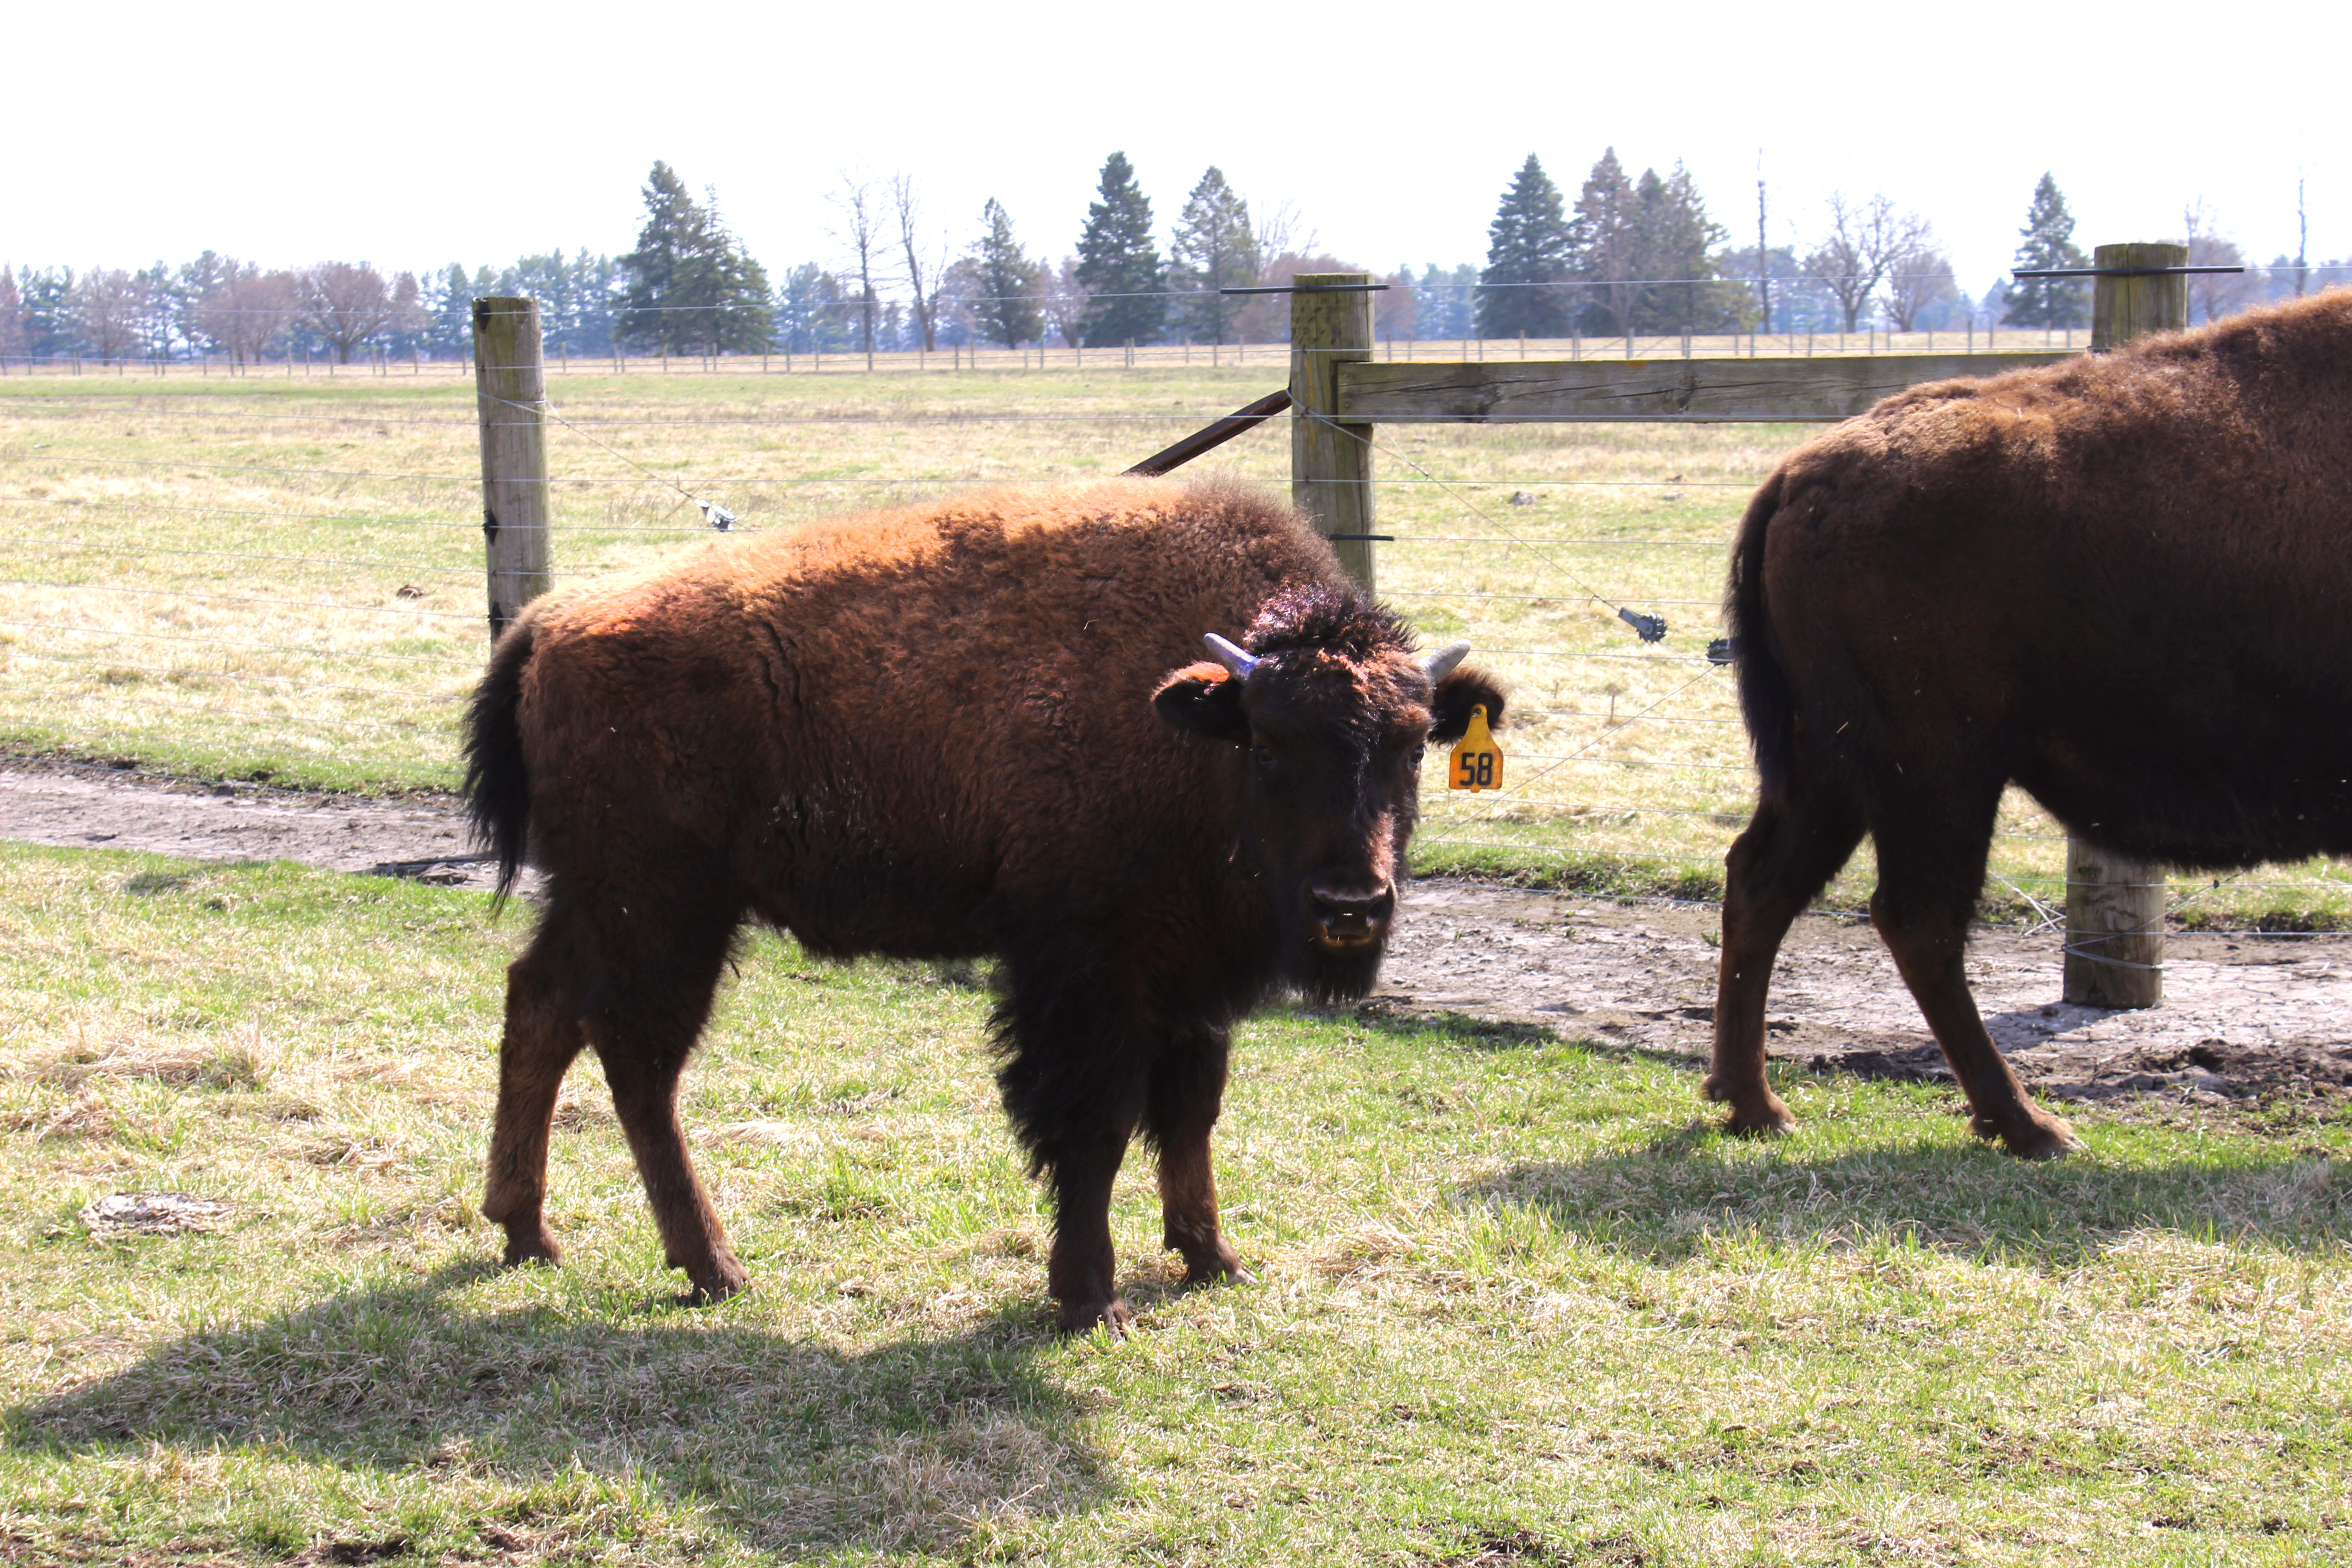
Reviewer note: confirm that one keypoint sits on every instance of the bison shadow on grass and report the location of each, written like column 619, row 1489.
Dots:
column 789, row 1442
column 1692, row 1185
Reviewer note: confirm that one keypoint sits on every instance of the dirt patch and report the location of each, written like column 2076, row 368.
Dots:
column 2247, row 1022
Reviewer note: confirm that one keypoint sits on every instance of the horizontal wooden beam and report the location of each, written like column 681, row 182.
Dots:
column 1694, row 391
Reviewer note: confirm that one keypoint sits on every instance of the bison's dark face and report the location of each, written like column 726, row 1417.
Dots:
column 1329, row 742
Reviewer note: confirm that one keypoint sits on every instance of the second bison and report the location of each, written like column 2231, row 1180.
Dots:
column 972, row 728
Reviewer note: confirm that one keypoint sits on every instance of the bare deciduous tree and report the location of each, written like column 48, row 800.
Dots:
column 248, row 310
column 111, row 306
column 858, row 228
column 1863, row 240
column 349, row 303
column 925, row 263
column 1916, row 280
column 1065, row 301
column 2212, row 295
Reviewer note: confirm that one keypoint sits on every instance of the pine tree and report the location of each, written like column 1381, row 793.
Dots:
column 1117, row 264
column 2048, row 240
column 1676, row 250
column 1010, row 282
column 450, row 331
column 1608, row 245
column 1527, row 248
column 692, row 288
column 12, row 314
column 1213, row 247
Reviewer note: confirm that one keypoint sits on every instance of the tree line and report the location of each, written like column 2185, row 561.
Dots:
column 1633, row 254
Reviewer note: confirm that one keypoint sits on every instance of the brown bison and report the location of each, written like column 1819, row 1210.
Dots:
column 2124, row 582
column 970, row 729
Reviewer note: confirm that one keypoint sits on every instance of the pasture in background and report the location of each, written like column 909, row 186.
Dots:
column 280, row 577
column 1521, row 1302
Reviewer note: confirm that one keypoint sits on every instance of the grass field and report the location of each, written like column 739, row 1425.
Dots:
column 281, row 578
column 1519, row 1304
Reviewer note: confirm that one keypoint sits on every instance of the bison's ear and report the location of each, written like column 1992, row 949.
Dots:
column 1460, row 691
column 1203, row 699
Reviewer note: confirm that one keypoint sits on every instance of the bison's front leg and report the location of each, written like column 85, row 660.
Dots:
column 1188, row 1087
column 1083, row 1272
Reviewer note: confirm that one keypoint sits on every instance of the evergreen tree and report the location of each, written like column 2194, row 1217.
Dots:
column 1117, row 264
column 1607, row 244
column 2048, row 240
column 449, row 329
column 1526, row 249
column 50, row 325
column 12, row 314
column 1444, row 301
column 1213, row 247
column 1677, row 251
column 1009, row 282
column 692, row 288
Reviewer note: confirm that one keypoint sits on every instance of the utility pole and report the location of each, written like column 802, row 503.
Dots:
column 2302, row 237
column 1763, row 256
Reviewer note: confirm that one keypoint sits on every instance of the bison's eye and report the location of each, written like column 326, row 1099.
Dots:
column 1264, row 757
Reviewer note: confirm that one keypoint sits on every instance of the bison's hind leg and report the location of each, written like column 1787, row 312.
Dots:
column 542, row 1036
column 660, row 963
column 1790, row 851
column 1932, row 849
column 1186, row 1092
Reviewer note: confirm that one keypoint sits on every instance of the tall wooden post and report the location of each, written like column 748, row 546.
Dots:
column 1332, row 464
column 510, row 402
column 2115, row 904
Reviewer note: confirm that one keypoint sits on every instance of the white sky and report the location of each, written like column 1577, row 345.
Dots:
column 413, row 138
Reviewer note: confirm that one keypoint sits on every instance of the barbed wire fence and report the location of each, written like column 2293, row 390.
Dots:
column 285, row 584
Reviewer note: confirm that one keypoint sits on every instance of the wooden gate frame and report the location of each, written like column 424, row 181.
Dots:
column 2114, row 936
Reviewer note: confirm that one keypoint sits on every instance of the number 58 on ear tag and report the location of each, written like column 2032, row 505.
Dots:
column 1477, row 761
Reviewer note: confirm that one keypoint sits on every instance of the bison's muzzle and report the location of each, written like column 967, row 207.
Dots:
column 1350, row 920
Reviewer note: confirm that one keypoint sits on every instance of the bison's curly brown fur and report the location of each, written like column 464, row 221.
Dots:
column 951, row 730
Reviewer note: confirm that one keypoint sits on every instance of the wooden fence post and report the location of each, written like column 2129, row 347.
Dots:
column 1332, row 464
column 510, row 402
column 2115, row 904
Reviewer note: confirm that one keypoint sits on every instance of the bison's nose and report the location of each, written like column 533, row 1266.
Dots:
column 1351, row 917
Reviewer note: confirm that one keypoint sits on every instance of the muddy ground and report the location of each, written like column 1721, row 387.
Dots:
column 2256, row 1026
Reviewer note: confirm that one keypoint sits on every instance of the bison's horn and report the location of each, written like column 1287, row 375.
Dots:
column 1440, row 664
column 1233, row 656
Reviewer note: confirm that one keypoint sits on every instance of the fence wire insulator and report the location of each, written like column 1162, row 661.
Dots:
column 1723, row 651
column 717, row 516
column 1649, row 629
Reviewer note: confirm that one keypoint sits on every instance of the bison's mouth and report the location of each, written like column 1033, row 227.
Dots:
column 1339, row 939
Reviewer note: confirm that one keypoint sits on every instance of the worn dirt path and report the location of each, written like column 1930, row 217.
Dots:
column 2246, row 1021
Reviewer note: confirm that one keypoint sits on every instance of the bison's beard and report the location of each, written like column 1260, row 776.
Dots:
column 1325, row 975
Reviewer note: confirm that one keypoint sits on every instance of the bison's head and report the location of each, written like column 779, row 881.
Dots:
column 1329, row 710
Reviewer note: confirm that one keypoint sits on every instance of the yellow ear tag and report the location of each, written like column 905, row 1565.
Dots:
column 1477, row 761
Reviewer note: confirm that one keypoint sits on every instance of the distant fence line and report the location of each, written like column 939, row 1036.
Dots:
column 1142, row 356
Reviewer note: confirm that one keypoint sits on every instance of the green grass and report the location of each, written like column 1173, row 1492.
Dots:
column 1519, row 1303
column 281, row 579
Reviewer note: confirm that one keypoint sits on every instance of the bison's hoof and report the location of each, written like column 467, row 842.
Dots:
column 1756, row 1112
column 1114, row 1315
column 1228, row 1273
column 532, row 1244
column 722, row 1279
column 2042, row 1137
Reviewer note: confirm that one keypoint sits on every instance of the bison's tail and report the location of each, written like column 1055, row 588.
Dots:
column 1766, row 699
column 498, row 785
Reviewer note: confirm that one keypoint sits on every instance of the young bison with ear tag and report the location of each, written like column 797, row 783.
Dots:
column 958, row 731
